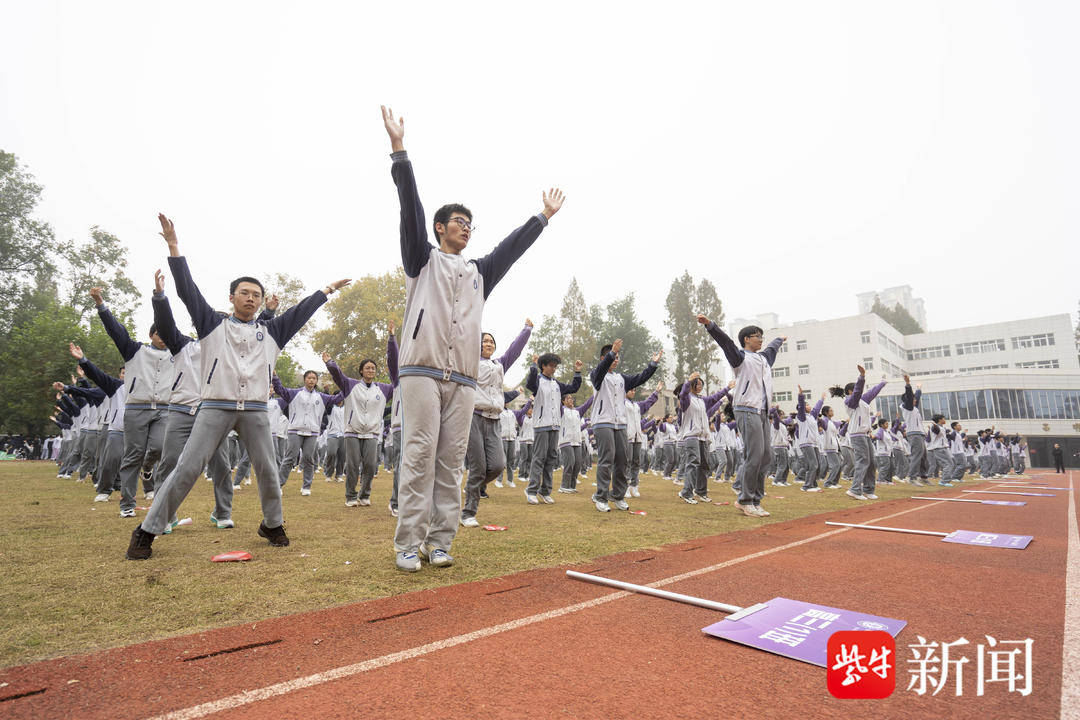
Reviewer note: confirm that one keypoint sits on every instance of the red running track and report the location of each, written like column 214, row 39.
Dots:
column 536, row 644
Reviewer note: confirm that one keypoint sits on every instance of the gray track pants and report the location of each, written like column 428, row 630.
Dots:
column 884, row 467
column 298, row 443
column 545, row 453
column 88, row 440
column 397, row 465
column 211, row 426
column 361, row 460
column 484, row 458
column 178, row 427
column 571, row 465
column 917, row 466
column 832, row 461
column 633, row 464
column 144, row 437
column 508, row 456
column 863, row 480
column 335, row 457
column 611, row 463
column 109, row 474
column 755, row 430
column 435, row 417
column 808, row 468
column 847, row 461
column 695, row 480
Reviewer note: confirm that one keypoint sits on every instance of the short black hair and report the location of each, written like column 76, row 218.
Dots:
column 490, row 336
column 153, row 328
column 442, row 215
column 747, row 332
column 936, row 417
column 954, row 424
column 849, row 388
column 364, row 362
column 548, row 359
column 605, row 350
column 696, row 381
column 248, row 279
column 310, row 372
column 825, row 410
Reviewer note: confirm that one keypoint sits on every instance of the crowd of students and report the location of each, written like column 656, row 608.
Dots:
column 182, row 406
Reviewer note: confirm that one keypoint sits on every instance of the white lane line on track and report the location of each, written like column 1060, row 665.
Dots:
column 1070, row 646
column 265, row 693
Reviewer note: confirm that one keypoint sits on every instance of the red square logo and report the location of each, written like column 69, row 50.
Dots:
column 861, row 664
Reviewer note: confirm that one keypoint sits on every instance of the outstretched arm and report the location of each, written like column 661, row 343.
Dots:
column 632, row 381
column 732, row 352
column 872, row 393
column 532, row 380
column 856, row 395
column 496, row 263
column 342, row 380
column 286, row 394
column 204, row 317
column 283, row 327
column 103, row 380
column 116, row 331
column 574, row 384
column 163, row 319
column 582, row 408
column 391, row 356
column 415, row 248
column 772, row 348
column 514, row 350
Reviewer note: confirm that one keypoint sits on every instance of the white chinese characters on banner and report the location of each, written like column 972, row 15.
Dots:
column 935, row 663
column 800, row 627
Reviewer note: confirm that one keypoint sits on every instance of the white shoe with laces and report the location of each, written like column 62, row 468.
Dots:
column 548, row 499
column 531, row 499
column 101, row 497
column 469, row 522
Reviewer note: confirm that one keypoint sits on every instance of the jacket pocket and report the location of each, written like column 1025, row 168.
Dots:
column 133, row 381
column 419, row 319
column 212, row 369
column 178, row 376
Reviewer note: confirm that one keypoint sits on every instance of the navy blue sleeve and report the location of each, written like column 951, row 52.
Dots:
column 532, row 381
column 596, row 377
column 266, row 315
column 415, row 248
column 203, row 317
column 103, row 380
column 119, row 334
column 571, row 387
column 496, row 263
column 632, row 381
column 907, row 400
column 732, row 352
column 89, row 394
column 284, row 326
column 509, row 395
column 166, row 324
column 770, row 351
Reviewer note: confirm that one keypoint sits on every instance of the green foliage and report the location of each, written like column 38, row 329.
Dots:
column 358, row 322
column 288, row 371
column 897, row 316
column 34, row 354
column 100, row 262
column 695, row 351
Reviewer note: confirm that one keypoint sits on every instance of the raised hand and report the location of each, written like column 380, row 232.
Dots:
column 907, row 380
column 159, row 281
column 79, row 371
column 76, row 351
column 702, row 319
column 660, row 386
column 862, row 370
column 528, row 322
column 390, row 326
column 783, row 339
column 731, row 385
column 394, row 128
column 272, row 302
column 657, row 355
column 58, row 386
column 616, row 347
column 325, row 357
column 693, row 376
column 337, row 285
column 168, row 231
column 577, row 366
column 95, row 293
column 800, row 389
column 536, row 359
column 553, row 200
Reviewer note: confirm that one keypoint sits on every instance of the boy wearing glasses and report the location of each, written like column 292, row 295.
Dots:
column 440, row 355
column 750, row 400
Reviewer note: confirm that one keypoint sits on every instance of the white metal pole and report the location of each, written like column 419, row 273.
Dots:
column 645, row 590
column 889, row 529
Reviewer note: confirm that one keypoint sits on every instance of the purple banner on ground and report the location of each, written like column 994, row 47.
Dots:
column 1003, row 502
column 795, row 629
column 1010, row 492
column 1001, row 540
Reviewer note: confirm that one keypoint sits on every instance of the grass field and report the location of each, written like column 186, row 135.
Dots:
column 67, row 588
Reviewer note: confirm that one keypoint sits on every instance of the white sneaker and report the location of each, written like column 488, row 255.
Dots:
column 351, row 503
column 436, row 557
column 747, row 510
column 498, row 483
column 305, row 491
column 674, row 481
column 870, row 496
column 620, row 504
column 365, row 502
column 236, row 487
column 407, row 561
column 548, row 499
column 393, row 512
column 760, row 511
column 248, row 481
column 703, row 498
column 853, row 494
column 634, row 492
column 531, row 499
column 688, row 500
column 127, row 513
column 224, row 524
column 469, row 522
column 101, row 497
column 511, row 484
column 149, row 496
column 602, row 506
column 813, row 489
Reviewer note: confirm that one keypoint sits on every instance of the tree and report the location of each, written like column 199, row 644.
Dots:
column 100, row 262
column 695, row 351
column 358, row 322
column 288, row 370
column 897, row 316
column 27, row 245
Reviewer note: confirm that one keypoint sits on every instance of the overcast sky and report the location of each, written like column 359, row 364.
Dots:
column 795, row 153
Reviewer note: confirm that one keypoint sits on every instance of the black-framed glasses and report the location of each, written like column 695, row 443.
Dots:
column 464, row 224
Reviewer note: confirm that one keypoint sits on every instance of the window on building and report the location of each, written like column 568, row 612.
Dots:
column 868, row 363
column 783, row 348
column 804, row 369
column 926, row 353
column 1041, row 364
column 781, row 372
column 800, row 345
column 982, row 346
column 1023, row 342
column 781, row 396
column 864, row 336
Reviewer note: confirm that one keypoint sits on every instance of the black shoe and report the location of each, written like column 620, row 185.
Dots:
column 139, row 547
column 276, row 536
column 484, row 495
